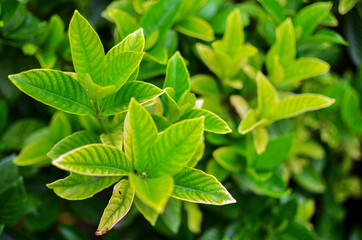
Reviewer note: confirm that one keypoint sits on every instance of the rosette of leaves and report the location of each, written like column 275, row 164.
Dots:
column 155, row 164
column 157, row 18
column 271, row 108
column 102, row 85
column 226, row 57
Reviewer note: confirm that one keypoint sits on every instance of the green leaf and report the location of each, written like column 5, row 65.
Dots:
column 172, row 109
column 59, row 127
column 250, row 122
column 134, row 42
column 159, row 17
column 215, row 169
column 275, row 9
column 172, row 215
column 295, row 105
column 310, row 180
column 54, row 33
column 177, row 76
column 118, row 206
column 9, row 172
column 125, row 23
column 204, row 85
column 95, row 160
column 304, row 68
column 213, row 123
column 267, row 96
column 17, row 133
column 79, row 187
column 119, row 68
column 276, row 153
column 233, row 37
column 140, row 132
column 194, row 185
column 196, row 27
column 284, row 48
column 141, row 91
column 149, row 213
column 261, row 138
column 353, row 28
column 55, row 89
column 154, row 192
column 228, row 158
column 273, row 186
column 346, row 5
column 115, row 138
column 210, row 59
column 73, row 141
column 12, row 202
column 194, row 217
column 175, row 147
column 87, row 49
column 35, row 153
column 310, row 17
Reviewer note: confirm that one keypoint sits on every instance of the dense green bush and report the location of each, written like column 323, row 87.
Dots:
column 250, row 109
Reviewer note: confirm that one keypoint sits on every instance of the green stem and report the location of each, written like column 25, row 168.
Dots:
column 98, row 116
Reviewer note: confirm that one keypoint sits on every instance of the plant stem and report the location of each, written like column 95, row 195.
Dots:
column 98, row 116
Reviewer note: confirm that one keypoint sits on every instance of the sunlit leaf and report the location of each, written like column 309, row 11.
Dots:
column 154, row 192
column 175, row 147
column 94, row 160
column 193, row 185
column 79, row 187
column 55, row 89
column 118, row 206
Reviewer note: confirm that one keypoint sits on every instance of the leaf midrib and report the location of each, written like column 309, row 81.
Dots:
column 47, row 91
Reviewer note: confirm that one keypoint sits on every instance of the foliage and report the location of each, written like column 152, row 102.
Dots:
column 177, row 108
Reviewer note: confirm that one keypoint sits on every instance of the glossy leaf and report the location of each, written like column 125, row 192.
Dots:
column 284, row 48
column 94, row 160
column 140, row 132
column 79, row 187
column 141, row 91
column 177, row 76
column 125, row 23
column 213, row 123
column 118, row 206
column 35, row 153
column 311, row 16
column 196, row 27
column 73, row 141
column 120, row 67
column 154, row 192
column 304, row 68
column 250, row 122
column 275, row 9
column 159, row 17
column 175, row 147
column 55, row 89
column 59, row 127
column 149, row 213
column 261, row 138
column 193, row 185
column 87, row 49
column 295, row 105
column 267, row 96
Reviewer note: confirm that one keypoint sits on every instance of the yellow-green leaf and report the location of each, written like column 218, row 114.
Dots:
column 79, row 187
column 95, row 160
column 118, row 206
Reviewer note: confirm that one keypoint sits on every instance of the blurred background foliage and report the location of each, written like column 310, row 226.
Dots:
column 305, row 185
